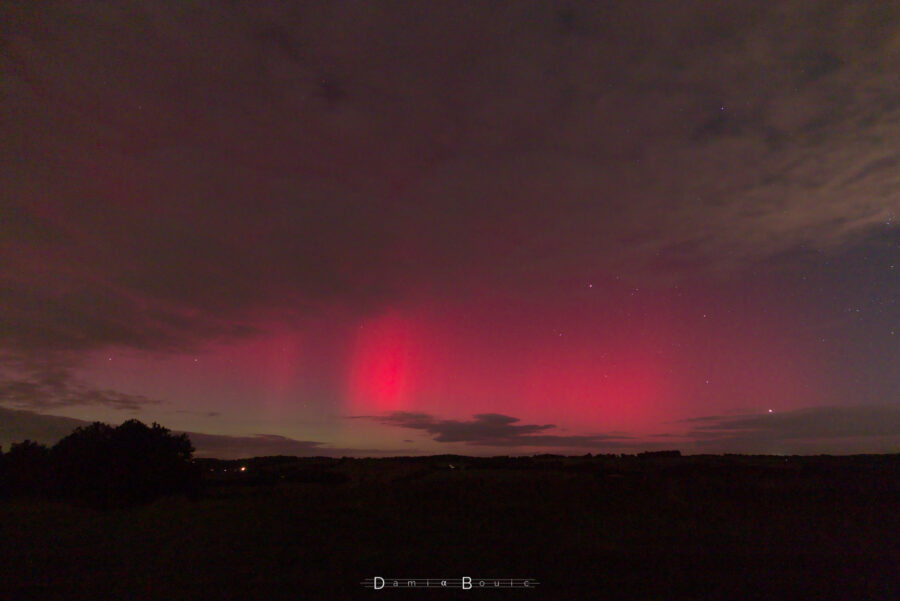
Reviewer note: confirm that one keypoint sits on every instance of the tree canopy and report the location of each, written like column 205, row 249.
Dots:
column 104, row 465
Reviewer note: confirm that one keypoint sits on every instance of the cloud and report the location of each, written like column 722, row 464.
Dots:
column 494, row 430
column 17, row 425
column 160, row 193
column 199, row 413
column 844, row 430
column 231, row 447
column 48, row 383
column 849, row 429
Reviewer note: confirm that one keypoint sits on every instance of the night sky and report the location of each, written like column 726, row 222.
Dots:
column 487, row 228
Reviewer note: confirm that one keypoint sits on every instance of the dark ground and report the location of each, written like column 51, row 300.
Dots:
column 702, row 527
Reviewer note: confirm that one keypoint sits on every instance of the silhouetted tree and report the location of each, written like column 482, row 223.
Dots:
column 26, row 468
column 132, row 463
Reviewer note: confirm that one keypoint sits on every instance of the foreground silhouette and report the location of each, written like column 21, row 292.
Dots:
column 103, row 466
column 651, row 526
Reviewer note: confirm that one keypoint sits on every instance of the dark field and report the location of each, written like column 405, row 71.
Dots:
column 599, row 527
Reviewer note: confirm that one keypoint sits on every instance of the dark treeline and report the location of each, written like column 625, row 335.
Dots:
column 102, row 466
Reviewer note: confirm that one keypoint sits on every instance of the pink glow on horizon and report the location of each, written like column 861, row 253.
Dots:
column 581, row 371
column 620, row 390
column 414, row 362
column 380, row 377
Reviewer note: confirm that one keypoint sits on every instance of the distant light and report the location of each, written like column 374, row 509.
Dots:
column 243, row 469
column 770, row 411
